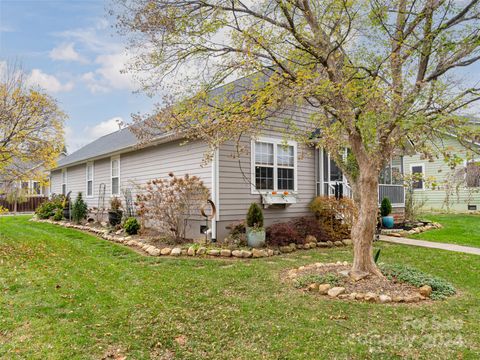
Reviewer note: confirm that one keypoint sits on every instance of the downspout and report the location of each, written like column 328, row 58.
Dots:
column 215, row 192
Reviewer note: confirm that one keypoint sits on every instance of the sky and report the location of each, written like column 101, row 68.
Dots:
column 70, row 49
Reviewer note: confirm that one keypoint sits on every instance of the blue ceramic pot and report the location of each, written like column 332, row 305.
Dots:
column 256, row 237
column 387, row 221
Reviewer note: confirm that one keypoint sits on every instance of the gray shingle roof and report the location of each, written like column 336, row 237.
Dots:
column 105, row 145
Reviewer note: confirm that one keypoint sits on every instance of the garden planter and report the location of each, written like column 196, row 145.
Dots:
column 387, row 222
column 115, row 217
column 256, row 237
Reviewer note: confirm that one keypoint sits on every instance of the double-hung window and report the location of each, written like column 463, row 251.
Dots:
column 274, row 165
column 89, row 176
column 36, row 188
column 115, row 172
column 64, row 181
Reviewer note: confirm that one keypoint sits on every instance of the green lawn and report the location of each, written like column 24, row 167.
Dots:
column 68, row 295
column 461, row 229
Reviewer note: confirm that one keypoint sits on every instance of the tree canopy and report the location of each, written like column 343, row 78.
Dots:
column 377, row 74
column 31, row 128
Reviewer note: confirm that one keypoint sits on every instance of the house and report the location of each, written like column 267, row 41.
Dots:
column 282, row 175
column 443, row 188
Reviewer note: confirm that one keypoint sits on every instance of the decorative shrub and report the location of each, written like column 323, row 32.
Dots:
column 48, row 208
column 3, row 210
column 440, row 288
column 335, row 216
column 79, row 209
column 237, row 228
column 169, row 203
column 237, row 236
column 282, row 234
column 310, row 226
column 58, row 216
column 255, row 216
column 131, row 226
column 386, row 207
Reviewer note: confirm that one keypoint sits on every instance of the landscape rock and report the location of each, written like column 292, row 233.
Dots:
column 270, row 252
column 322, row 244
column 191, row 251
column 347, row 242
column 258, row 253
column 165, row 251
column 352, row 296
column 184, row 251
column 313, row 287
column 338, row 243
column 225, row 253
column 313, row 245
column 310, row 239
column 425, row 290
column 237, row 253
column 201, row 250
column 335, row 291
column 213, row 252
column 285, row 249
column 246, row 254
column 371, row 297
column 344, row 273
column 176, row 252
column 323, row 288
column 384, row 299
column 330, row 243
column 360, row 296
column 153, row 251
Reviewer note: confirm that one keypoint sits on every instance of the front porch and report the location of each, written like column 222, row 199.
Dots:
column 330, row 180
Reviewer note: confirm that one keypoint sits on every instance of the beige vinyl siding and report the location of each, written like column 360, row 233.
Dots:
column 235, row 179
column 76, row 179
column 438, row 170
column 56, row 182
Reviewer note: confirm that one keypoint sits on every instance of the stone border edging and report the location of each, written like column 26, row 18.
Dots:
column 200, row 250
column 415, row 230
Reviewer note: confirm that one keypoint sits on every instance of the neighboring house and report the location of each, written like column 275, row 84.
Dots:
column 444, row 188
column 283, row 175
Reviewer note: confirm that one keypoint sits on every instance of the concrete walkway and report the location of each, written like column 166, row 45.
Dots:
column 431, row 244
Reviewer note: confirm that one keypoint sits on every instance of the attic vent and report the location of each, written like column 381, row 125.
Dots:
column 472, row 207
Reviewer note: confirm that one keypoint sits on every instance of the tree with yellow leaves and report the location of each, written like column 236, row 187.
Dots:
column 31, row 128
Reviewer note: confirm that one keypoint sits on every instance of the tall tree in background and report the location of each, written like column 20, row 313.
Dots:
column 31, row 127
column 377, row 73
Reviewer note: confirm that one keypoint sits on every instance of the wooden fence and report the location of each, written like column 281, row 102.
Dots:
column 29, row 206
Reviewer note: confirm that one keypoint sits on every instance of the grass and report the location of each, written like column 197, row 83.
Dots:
column 461, row 229
column 66, row 294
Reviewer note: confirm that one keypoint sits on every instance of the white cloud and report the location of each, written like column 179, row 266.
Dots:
column 66, row 52
column 5, row 29
column 90, row 133
column 48, row 82
column 109, row 75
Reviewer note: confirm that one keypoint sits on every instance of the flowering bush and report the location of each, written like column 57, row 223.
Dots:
column 169, row 203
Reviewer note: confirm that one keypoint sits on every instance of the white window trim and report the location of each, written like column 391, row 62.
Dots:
column 117, row 157
column 422, row 165
column 32, row 188
column 90, row 163
column 64, row 171
column 275, row 143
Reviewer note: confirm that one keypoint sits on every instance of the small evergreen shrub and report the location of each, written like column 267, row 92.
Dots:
column 79, row 209
column 440, row 288
column 282, row 234
column 58, row 216
column 131, row 226
column 386, row 207
column 255, row 216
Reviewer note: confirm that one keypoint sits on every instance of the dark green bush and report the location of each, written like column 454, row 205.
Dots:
column 386, row 207
column 58, row 216
column 131, row 226
column 79, row 209
column 440, row 288
column 255, row 216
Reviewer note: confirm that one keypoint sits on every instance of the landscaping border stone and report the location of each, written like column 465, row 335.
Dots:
column 190, row 251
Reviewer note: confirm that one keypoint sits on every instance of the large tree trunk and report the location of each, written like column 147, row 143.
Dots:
column 363, row 231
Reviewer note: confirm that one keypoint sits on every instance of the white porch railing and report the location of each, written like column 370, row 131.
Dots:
column 396, row 193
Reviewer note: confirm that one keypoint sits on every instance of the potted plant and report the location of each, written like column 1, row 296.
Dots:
column 385, row 211
column 115, row 213
column 255, row 229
